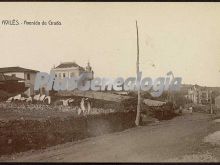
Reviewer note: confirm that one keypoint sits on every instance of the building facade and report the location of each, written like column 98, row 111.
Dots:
column 26, row 75
column 71, row 69
column 217, row 102
column 198, row 95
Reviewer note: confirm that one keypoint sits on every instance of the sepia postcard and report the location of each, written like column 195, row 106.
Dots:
column 109, row 82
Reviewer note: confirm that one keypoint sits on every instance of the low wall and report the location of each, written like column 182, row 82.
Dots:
column 23, row 135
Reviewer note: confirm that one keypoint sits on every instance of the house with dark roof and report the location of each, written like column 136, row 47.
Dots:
column 70, row 69
column 20, row 74
column 11, row 84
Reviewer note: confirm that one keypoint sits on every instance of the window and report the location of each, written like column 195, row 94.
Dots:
column 28, row 76
column 55, row 75
column 71, row 74
column 13, row 75
column 64, row 75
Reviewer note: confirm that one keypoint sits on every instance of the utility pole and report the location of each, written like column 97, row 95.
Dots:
column 137, row 121
column 211, row 102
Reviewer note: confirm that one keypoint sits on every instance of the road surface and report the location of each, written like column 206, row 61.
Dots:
column 176, row 140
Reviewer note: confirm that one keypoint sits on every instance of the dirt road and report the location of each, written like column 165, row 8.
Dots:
column 179, row 139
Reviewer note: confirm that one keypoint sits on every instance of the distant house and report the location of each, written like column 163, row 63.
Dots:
column 21, row 74
column 217, row 102
column 198, row 94
column 70, row 69
column 11, row 84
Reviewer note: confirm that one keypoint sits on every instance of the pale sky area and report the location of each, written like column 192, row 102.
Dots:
column 179, row 37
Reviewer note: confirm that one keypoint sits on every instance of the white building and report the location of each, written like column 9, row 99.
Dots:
column 198, row 95
column 217, row 102
column 70, row 69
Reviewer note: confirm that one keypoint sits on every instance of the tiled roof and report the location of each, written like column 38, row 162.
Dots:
column 9, row 78
column 15, row 69
column 69, row 65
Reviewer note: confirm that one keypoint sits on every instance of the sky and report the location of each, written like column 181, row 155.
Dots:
column 180, row 37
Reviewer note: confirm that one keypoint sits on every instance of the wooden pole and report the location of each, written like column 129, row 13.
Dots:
column 211, row 102
column 137, row 121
